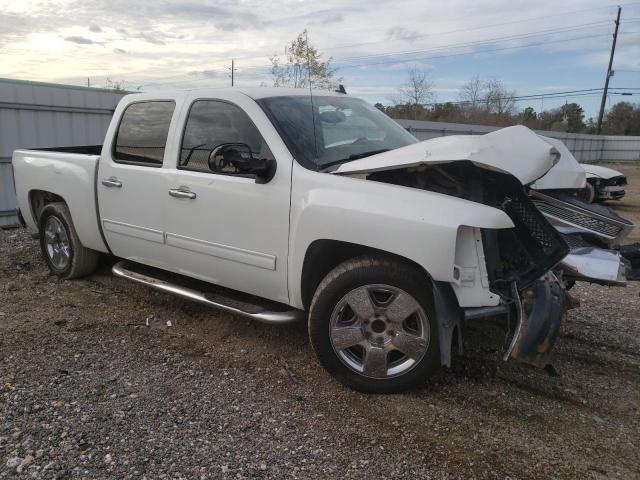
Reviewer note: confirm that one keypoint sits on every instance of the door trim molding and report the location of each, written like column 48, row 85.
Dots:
column 226, row 252
column 135, row 231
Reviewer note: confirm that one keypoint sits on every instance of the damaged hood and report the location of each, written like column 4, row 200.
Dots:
column 566, row 174
column 515, row 150
column 601, row 172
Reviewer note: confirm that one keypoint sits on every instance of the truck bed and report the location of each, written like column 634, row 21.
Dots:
column 68, row 173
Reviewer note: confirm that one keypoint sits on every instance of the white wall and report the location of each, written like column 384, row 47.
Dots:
column 37, row 115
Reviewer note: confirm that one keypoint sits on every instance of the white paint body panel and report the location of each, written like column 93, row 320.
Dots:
column 134, row 216
column 236, row 231
column 416, row 224
column 68, row 175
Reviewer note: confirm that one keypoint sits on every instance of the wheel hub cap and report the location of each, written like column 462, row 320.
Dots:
column 57, row 243
column 379, row 331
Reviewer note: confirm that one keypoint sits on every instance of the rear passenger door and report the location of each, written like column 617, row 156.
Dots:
column 232, row 229
column 132, row 185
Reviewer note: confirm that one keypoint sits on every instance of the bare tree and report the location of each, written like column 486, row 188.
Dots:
column 471, row 93
column 498, row 99
column 487, row 101
column 119, row 86
column 418, row 89
column 302, row 61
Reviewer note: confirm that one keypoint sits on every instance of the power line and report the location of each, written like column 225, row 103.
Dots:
column 485, row 41
column 499, row 49
column 473, row 52
column 461, row 30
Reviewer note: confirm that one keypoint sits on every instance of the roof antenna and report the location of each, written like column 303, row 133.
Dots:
column 313, row 116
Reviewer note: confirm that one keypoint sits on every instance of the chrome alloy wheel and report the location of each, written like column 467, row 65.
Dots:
column 379, row 331
column 57, row 243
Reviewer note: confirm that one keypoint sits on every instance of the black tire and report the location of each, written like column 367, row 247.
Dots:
column 588, row 193
column 83, row 261
column 364, row 271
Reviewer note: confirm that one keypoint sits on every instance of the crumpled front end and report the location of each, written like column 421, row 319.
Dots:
column 537, row 312
column 517, row 260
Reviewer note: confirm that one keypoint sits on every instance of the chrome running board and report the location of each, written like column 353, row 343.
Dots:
column 257, row 312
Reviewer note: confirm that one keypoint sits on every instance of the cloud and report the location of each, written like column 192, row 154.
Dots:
column 79, row 40
column 401, row 33
column 207, row 73
column 95, row 28
column 119, row 50
column 228, row 26
column 152, row 38
column 334, row 18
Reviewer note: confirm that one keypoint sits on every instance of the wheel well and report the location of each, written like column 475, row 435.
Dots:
column 322, row 256
column 38, row 199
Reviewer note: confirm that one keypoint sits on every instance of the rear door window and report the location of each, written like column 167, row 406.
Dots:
column 142, row 134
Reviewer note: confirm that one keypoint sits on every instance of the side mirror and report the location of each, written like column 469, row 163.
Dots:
column 238, row 158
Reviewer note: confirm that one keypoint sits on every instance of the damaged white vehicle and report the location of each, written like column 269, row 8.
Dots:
column 594, row 233
column 277, row 206
column 603, row 183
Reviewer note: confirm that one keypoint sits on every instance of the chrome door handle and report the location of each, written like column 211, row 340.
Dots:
column 111, row 182
column 182, row 192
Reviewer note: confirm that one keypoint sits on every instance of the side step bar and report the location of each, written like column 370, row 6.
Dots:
column 257, row 312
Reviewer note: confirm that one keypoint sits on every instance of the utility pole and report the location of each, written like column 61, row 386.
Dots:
column 609, row 73
column 233, row 68
column 88, row 82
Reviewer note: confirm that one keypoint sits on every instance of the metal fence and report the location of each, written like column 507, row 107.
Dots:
column 586, row 148
column 38, row 115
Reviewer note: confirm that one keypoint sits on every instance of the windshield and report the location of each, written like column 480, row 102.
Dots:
column 345, row 128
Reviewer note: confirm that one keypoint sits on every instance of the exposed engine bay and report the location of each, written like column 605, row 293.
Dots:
column 522, row 254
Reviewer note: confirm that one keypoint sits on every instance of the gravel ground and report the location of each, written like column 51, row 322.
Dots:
column 101, row 378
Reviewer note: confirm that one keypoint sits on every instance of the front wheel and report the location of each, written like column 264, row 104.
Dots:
column 372, row 326
column 588, row 193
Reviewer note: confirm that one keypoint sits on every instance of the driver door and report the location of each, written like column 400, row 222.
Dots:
column 224, row 226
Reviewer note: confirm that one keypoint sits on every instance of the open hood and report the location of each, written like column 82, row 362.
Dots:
column 515, row 150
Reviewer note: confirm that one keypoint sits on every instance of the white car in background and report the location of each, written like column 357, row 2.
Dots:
column 603, row 183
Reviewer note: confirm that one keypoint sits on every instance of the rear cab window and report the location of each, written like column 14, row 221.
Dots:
column 142, row 134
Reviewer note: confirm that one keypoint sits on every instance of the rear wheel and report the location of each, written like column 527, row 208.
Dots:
column 66, row 257
column 372, row 326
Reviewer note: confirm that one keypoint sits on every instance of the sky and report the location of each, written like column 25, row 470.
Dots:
column 538, row 47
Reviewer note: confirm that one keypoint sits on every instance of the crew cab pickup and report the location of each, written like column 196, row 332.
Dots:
column 281, row 206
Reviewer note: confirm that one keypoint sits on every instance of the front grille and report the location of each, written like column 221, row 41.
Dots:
column 579, row 219
column 538, row 227
column 533, row 247
column 576, row 241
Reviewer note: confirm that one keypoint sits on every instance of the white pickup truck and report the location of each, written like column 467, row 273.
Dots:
column 280, row 206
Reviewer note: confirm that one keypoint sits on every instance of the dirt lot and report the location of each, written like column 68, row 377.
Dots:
column 88, row 390
column 629, row 206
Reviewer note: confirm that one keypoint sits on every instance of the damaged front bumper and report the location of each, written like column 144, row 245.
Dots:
column 538, row 312
column 533, row 318
column 595, row 265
